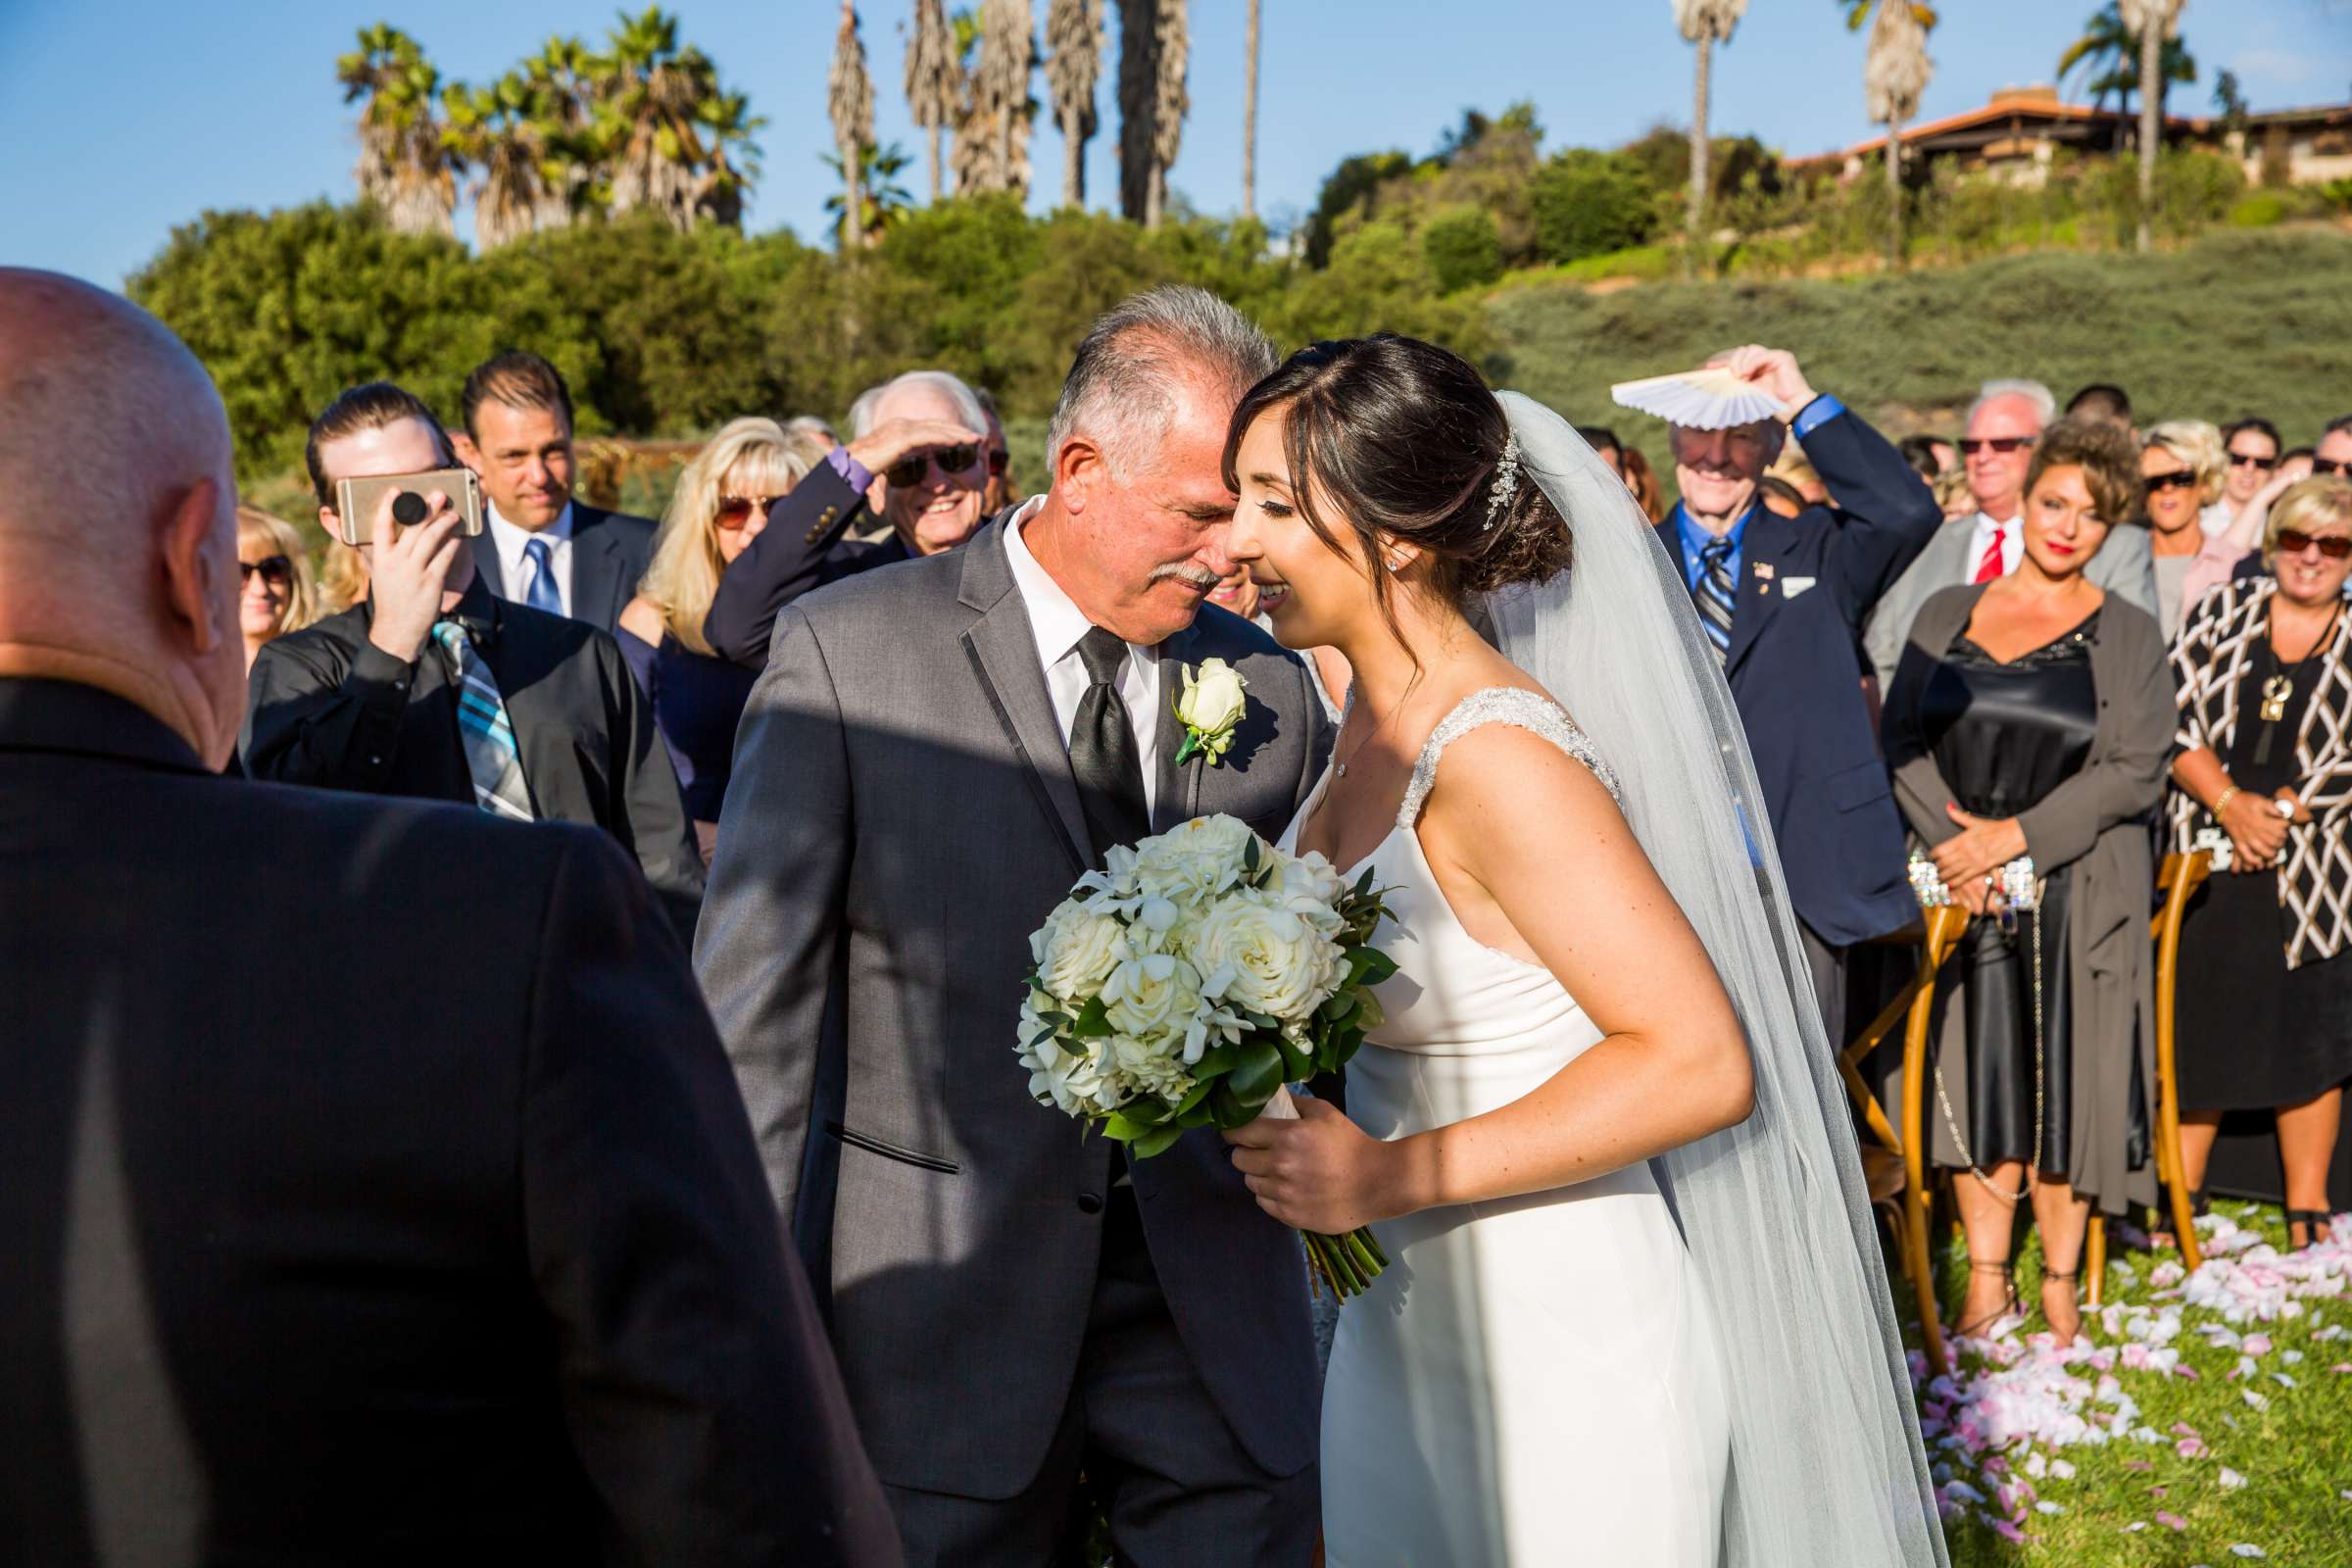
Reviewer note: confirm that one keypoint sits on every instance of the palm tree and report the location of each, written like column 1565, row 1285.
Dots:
column 993, row 144
column 1074, row 42
column 2155, row 22
column 886, row 200
column 1249, row 115
column 1704, row 23
column 407, row 166
column 934, row 78
column 560, row 78
column 731, row 159
column 1154, row 46
column 1895, row 73
column 494, row 129
column 850, row 98
column 2108, row 55
column 661, row 126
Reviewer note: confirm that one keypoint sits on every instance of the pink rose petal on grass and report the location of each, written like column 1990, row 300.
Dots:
column 2008, row 1530
column 2171, row 1521
column 2257, row 1344
column 2190, row 1448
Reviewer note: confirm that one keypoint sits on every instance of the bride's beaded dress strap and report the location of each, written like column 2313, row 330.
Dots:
column 1502, row 704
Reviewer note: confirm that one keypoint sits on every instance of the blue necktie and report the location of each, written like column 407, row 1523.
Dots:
column 1714, row 595
column 542, row 595
column 492, row 755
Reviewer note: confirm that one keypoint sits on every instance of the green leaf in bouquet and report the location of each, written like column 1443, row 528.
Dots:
column 1258, row 1075
column 1250, row 856
column 1363, row 884
column 1370, row 1014
column 1298, row 1062
column 1094, row 1020
column 1369, row 966
column 1193, row 1099
column 1338, row 1004
column 1157, row 1142
column 1123, row 1128
column 1216, row 1061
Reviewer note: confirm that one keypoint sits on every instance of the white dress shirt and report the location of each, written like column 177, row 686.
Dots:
column 2012, row 535
column 1059, row 625
column 514, row 567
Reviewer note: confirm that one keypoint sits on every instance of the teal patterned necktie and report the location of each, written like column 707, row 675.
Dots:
column 491, row 755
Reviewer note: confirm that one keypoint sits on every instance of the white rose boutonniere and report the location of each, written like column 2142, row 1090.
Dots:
column 1209, row 708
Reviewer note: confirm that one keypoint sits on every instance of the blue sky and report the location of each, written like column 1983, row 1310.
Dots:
column 122, row 118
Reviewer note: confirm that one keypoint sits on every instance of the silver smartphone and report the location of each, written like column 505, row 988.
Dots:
column 356, row 499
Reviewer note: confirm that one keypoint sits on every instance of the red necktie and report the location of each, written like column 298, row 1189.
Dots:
column 1990, row 567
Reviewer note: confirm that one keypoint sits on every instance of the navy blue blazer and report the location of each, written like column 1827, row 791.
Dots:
column 1806, row 586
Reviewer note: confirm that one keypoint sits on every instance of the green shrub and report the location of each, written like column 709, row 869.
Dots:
column 1590, row 203
column 2262, row 210
column 1464, row 249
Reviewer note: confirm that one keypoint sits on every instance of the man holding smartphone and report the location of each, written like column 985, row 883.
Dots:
column 434, row 687
column 917, row 459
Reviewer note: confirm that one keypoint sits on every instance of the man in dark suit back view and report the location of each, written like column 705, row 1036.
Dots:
column 373, row 1186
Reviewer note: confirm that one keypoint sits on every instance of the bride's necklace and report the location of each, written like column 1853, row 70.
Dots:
column 1340, row 768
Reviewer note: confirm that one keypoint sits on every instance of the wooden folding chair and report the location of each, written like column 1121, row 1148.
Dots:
column 1913, row 1008
column 2177, row 881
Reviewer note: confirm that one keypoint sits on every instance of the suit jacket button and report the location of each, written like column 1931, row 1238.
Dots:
column 814, row 535
column 827, row 516
column 1089, row 1202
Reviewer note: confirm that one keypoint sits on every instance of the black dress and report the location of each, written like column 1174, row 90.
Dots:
column 2251, row 1033
column 698, row 701
column 2004, row 735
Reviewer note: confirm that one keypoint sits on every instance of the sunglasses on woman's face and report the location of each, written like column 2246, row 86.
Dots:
column 2247, row 460
column 736, row 511
column 2169, row 481
column 276, row 570
column 2295, row 541
column 954, row 463
column 2323, row 466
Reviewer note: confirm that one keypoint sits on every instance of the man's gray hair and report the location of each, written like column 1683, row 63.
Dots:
column 1121, row 386
column 2045, row 401
column 810, row 425
column 968, row 411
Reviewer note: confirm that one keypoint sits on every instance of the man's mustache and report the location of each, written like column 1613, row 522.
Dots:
column 1187, row 571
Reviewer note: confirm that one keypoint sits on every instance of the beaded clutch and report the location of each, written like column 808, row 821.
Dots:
column 2014, row 882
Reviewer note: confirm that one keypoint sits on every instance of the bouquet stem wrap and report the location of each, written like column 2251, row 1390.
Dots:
column 1345, row 1265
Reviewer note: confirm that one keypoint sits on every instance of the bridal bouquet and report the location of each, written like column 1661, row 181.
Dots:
column 1186, row 982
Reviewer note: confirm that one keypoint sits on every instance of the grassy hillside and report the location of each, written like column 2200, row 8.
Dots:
column 2234, row 324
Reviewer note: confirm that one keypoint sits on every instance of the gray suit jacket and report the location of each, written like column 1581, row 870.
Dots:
column 902, row 816
column 2123, row 567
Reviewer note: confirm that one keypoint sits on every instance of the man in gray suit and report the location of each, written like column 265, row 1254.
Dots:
column 935, row 752
column 2003, row 425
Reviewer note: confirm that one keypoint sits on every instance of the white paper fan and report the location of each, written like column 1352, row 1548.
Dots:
column 1710, row 398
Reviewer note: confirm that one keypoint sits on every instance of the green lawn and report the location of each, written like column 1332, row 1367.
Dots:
column 2209, row 1421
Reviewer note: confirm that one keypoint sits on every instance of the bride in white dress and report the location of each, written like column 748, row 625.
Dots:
column 1634, row 1312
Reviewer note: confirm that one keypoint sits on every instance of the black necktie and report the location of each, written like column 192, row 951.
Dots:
column 1103, row 756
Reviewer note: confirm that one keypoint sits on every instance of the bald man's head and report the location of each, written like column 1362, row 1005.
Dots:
column 118, row 519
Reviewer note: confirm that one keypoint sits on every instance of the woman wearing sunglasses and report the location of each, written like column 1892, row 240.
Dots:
column 917, row 461
column 2265, row 754
column 720, row 507
column 276, row 593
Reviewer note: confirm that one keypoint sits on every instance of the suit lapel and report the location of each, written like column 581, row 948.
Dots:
column 595, row 594
column 1003, row 652
column 485, row 559
column 1756, row 596
column 1176, row 792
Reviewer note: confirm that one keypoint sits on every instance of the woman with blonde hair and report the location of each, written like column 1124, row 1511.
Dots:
column 275, row 594
column 2183, row 467
column 720, row 507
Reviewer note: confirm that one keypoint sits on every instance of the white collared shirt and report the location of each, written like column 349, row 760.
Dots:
column 2012, row 535
column 514, row 569
column 1058, row 625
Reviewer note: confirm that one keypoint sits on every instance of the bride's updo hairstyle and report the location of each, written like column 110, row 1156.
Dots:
column 1404, row 438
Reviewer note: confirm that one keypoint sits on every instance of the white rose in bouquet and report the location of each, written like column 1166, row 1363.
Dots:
column 1263, row 957
column 1156, row 998
column 1076, row 949
column 1193, row 862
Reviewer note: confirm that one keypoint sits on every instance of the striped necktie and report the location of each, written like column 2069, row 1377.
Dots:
column 491, row 755
column 1714, row 597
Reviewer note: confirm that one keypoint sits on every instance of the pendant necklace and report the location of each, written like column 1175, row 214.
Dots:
column 2279, row 686
column 1340, row 768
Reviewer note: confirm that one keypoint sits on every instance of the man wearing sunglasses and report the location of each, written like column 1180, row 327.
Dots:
column 916, row 459
column 2004, row 424
column 2332, row 458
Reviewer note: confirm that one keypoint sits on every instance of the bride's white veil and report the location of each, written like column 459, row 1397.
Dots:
column 1826, row 1469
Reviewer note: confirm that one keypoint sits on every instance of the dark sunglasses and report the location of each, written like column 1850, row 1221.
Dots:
column 2169, row 481
column 2295, row 541
column 999, row 462
column 2247, row 460
column 736, row 511
column 2003, row 444
column 951, row 461
column 2321, row 466
column 276, row 570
